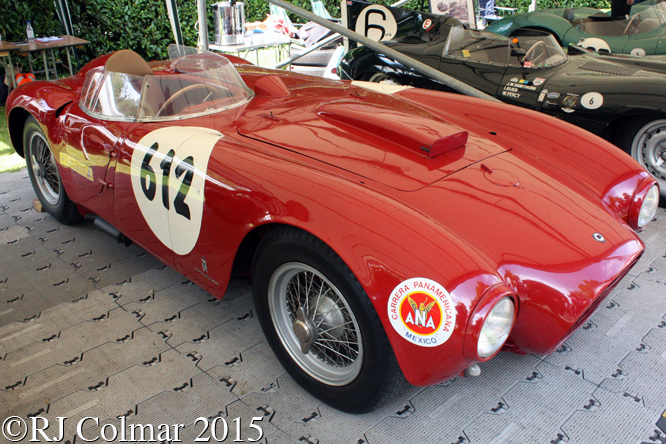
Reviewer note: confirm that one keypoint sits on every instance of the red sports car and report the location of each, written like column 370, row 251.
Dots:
column 390, row 235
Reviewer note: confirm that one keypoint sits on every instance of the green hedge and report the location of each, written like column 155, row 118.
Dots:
column 143, row 25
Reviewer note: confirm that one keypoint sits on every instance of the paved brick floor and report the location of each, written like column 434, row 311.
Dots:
column 91, row 328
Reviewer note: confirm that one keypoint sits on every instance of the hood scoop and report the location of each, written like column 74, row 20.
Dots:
column 375, row 137
column 410, row 131
column 606, row 68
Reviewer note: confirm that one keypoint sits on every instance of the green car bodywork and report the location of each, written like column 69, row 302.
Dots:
column 643, row 33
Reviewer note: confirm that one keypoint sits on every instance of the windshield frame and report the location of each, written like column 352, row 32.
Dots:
column 485, row 47
column 189, row 72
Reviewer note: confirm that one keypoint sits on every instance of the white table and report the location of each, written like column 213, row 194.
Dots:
column 255, row 42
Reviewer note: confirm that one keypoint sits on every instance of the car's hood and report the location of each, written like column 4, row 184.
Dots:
column 656, row 63
column 558, row 250
column 372, row 135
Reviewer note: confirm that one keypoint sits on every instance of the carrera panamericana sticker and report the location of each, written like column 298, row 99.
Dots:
column 168, row 172
column 422, row 312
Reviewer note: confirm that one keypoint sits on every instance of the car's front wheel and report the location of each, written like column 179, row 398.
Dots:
column 321, row 324
column 44, row 175
column 645, row 140
column 380, row 77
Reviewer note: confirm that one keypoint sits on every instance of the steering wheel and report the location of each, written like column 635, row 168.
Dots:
column 209, row 93
column 631, row 22
column 530, row 52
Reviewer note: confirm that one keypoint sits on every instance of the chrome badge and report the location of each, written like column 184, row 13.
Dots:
column 598, row 237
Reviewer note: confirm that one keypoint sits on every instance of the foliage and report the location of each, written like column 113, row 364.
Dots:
column 9, row 160
column 523, row 5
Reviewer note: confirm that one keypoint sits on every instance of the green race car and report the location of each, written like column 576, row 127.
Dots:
column 643, row 33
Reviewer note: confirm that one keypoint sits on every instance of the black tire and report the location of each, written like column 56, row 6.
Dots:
column 645, row 140
column 44, row 175
column 358, row 377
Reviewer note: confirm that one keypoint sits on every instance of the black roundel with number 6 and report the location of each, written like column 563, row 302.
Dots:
column 168, row 179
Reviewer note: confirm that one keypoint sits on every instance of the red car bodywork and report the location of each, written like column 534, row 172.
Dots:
column 513, row 211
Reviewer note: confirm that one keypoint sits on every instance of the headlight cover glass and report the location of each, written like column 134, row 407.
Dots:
column 496, row 328
column 649, row 206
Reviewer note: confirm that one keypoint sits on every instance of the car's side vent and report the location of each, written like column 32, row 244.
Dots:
column 610, row 69
column 61, row 109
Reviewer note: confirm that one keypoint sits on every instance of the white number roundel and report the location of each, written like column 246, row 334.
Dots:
column 592, row 100
column 168, row 173
column 376, row 22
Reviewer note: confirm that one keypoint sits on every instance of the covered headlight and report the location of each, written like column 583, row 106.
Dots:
column 649, row 206
column 496, row 328
column 644, row 206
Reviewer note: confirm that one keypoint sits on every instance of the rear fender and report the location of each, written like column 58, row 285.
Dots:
column 44, row 101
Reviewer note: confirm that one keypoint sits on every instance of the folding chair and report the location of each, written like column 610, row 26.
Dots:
column 488, row 12
column 319, row 9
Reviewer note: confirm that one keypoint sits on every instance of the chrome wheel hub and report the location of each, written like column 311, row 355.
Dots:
column 304, row 329
column 315, row 324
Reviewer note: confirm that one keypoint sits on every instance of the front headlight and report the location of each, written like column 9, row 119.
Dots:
column 649, row 206
column 496, row 328
column 644, row 206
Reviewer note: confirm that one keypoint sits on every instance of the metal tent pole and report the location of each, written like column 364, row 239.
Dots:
column 203, row 25
column 174, row 18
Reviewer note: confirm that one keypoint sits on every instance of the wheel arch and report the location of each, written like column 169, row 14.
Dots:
column 248, row 247
column 15, row 123
column 615, row 131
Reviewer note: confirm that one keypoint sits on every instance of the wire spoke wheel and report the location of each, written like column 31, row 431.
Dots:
column 44, row 174
column 44, row 168
column 315, row 324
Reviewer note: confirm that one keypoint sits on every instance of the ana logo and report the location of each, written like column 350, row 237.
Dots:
column 423, row 317
column 422, row 312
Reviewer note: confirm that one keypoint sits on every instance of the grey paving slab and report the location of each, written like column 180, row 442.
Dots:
column 430, row 409
column 618, row 324
column 644, row 372
column 193, row 323
column 288, row 407
column 128, row 336
column 226, row 343
column 13, row 233
column 88, row 369
column 16, row 251
column 124, row 391
column 121, row 270
column 141, row 286
column 55, row 319
column 100, row 256
column 61, row 289
column 614, row 418
column 166, row 304
column 257, row 372
column 203, row 395
column 74, row 341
